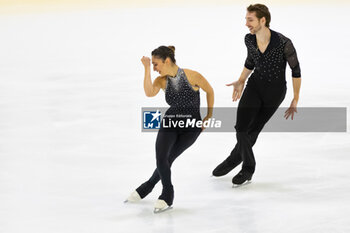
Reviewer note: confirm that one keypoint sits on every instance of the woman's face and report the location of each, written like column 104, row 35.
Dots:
column 158, row 65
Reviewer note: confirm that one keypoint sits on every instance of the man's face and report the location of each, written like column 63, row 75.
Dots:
column 253, row 23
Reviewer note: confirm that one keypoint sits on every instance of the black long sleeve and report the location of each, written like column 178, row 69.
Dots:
column 290, row 54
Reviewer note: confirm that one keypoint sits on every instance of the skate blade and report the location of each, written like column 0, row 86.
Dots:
column 158, row 211
column 240, row 185
column 131, row 201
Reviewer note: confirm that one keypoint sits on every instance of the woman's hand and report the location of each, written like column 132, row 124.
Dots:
column 237, row 89
column 146, row 61
column 291, row 110
column 204, row 120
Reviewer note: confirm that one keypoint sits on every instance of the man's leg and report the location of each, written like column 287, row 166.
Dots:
column 247, row 109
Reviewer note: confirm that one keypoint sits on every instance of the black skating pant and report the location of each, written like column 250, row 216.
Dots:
column 258, row 103
column 169, row 145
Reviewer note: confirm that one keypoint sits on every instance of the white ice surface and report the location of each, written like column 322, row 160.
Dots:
column 71, row 147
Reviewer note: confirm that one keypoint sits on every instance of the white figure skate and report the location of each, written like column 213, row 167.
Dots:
column 161, row 206
column 134, row 197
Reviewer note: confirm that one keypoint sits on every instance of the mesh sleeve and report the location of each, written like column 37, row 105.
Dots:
column 290, row 55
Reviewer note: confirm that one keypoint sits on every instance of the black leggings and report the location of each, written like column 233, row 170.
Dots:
column 169, row 145
column 259, row 102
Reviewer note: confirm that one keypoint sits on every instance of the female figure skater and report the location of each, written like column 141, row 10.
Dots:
column 268, row 53
column 181, row 88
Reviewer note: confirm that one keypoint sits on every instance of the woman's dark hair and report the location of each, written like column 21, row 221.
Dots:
column 163, row 52
column 261, row 11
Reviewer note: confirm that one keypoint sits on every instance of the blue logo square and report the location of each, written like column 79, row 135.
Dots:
column 151, row 119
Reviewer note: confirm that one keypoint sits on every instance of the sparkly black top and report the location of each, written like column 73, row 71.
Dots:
column 271, row 65
column 181, row 96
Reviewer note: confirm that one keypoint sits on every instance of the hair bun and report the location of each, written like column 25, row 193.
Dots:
column 172, row 48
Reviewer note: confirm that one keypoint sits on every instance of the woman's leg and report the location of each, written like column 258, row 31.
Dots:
column 183, row 142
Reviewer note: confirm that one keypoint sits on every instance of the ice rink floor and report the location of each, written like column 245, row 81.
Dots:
column 71, row 146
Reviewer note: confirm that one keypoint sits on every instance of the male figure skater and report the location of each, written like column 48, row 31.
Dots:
column 268, row 53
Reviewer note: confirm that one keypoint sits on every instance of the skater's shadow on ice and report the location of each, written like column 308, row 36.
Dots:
column 221, row 180
column 179, row 210
column 145, row 208
column 264, row 187
column 172, row 212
